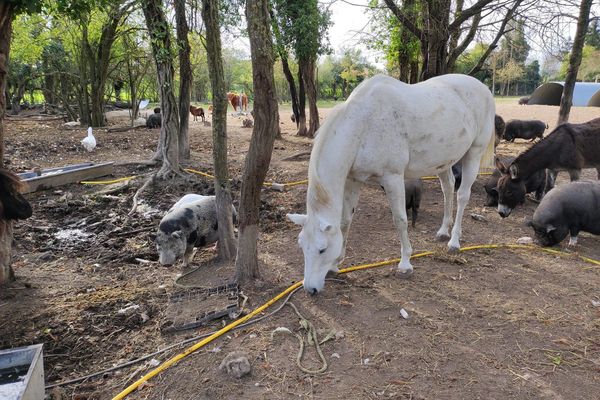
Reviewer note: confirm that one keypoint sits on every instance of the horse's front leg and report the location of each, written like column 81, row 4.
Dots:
column 447, row 182
column 351, row 194
column 469, row 174
column 395, row 191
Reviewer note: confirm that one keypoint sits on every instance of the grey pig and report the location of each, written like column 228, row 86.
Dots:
column 567, row 209
column 189, row 225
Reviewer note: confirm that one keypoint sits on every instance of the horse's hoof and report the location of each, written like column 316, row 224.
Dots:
column 453, row 249
column 442, row 237
column 405, row 274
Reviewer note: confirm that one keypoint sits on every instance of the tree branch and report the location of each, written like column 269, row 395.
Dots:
column 404, row 20
column 494, row 43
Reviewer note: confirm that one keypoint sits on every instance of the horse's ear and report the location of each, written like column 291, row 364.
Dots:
column 298, row 219
column 500, row 165
column 325, row 226
column 514, row 172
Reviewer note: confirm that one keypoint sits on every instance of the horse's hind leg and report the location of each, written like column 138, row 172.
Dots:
column 351, row 192
column 394, row 189
column 469, row 174
column 447, row 182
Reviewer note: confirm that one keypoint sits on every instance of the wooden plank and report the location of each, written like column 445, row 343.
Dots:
column 66, row 177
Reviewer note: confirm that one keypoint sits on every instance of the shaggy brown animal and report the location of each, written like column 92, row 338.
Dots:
column 197, row 112
column 569, row 147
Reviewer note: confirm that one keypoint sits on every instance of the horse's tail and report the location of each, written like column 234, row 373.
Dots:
column 487, row 159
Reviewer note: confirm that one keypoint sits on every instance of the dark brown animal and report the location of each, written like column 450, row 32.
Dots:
column 12, row 203
column 524, row 100
column 155, row 120
column 524, row 129
column 569, row 147
column 413, row 189
column 539, row 182
column 197, row 112
column 499, row 126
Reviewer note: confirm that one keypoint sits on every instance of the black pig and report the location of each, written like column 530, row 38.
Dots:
column 568, row 209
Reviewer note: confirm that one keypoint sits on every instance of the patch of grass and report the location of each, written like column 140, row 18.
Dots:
column 507, row 99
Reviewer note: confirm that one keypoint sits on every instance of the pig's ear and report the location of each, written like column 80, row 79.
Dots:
column 298, row 219
column 550, row 228
column 514, row 172
column 500, row 165
column 176, row 235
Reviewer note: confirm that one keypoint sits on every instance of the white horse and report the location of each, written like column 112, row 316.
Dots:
column 388, row 130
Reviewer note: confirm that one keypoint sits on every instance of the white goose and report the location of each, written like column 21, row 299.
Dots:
column 89, row 142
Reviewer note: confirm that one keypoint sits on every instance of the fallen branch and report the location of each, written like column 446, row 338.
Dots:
column 125, row 128
column 149, row 163
column 297, row 157
column 148, row 182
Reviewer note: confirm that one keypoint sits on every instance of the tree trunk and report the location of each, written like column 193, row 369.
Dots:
column 185, row 78
column 566, row 101
column 83, row 98
column 6, row 233
column 307, row 69
column 293, row 92
column 266, row 125
column 160, row 37
column 302, row 131
column 210, row 16
column 437, row 31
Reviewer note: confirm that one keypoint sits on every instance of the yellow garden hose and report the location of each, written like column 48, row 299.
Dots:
column 296, row 285
column 276, row 185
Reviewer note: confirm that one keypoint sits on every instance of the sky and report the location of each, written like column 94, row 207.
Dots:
column 348, row 18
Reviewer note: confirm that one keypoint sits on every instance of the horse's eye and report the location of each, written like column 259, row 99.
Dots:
column 322, row 251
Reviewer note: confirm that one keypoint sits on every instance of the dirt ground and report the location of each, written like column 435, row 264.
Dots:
column 487, row 324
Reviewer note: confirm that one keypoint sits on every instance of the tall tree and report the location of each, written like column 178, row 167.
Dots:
column 566, row 101
column 303, row 26
column 283, row 53
column 7, row 12
column 185, row 77
column 441, row 38
column 160, row 39
column 210, row 16
column 266, row 126
column 96, row 57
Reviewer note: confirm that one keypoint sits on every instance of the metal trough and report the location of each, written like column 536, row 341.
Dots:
column 22, row 373
column 54, row 177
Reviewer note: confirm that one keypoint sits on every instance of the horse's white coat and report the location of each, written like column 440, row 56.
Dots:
column 388, row 130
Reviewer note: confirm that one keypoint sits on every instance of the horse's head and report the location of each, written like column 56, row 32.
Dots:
column 322, row 245
column 511, row 188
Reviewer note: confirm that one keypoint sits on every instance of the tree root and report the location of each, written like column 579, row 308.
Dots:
column 150, row 180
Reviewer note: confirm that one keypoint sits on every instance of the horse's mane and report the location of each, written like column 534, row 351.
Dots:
column 319, row 195
column 9, row 181
column 545, row 140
